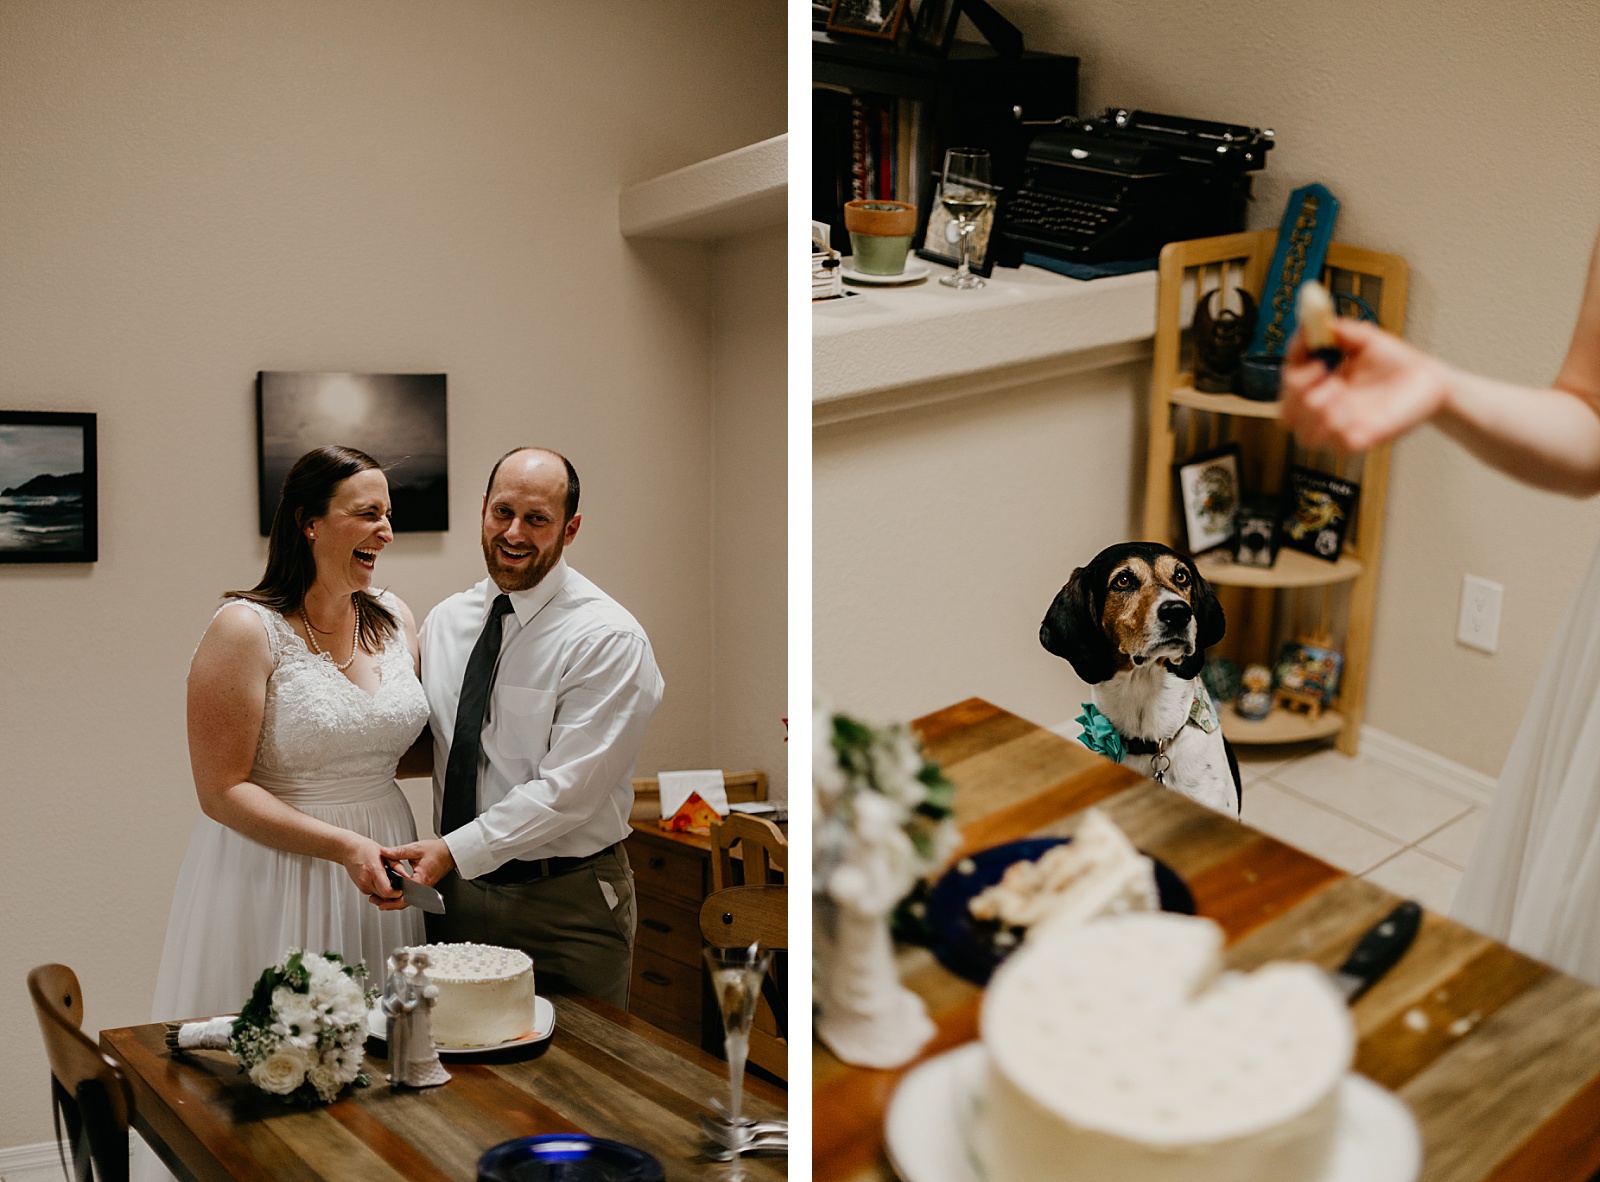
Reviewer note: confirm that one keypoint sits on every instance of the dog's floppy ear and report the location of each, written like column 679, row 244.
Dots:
column 1072, row 631
column 1209, row 625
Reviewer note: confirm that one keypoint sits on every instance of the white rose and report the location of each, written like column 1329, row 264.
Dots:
column 327, row 1078
column 282, row 1071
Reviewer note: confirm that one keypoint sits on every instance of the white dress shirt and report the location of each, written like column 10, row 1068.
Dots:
column 572, row 694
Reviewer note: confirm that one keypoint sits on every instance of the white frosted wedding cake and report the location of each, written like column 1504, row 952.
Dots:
column 1119, row 1048
column 485, row 994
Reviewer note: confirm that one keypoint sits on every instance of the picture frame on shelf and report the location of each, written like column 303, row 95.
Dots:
column 1208, row 487
column 1317, row 511
column 933, row 26
column 399, row 419
column 1255, row 532
column 879, row 19
column 49, row 494
column 938, row 242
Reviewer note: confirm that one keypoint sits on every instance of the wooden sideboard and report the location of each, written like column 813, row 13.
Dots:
column 671, row 877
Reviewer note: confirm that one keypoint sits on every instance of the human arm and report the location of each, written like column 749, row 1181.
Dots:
column 226, row 700
column 1549, row 438
column 418, row 758
column 609, row 690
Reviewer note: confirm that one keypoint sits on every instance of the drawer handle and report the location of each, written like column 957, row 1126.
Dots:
column 655, row 925
column 654, row 978
column 657, row 863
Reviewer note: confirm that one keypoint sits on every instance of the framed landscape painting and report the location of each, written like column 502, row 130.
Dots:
column 48, row 508
column 396, row 418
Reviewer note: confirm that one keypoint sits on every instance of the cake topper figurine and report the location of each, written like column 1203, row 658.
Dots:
column 408, row 997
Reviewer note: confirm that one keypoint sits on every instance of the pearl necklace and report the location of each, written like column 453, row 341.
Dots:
column 311, row 635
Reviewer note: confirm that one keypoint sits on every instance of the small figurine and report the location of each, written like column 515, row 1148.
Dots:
column 408, row 995
column 1255, row 703
column 1220, row 340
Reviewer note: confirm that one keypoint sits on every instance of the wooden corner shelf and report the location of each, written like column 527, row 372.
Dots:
column 1281, row 726
column 1268, row 605
column 1293, row 569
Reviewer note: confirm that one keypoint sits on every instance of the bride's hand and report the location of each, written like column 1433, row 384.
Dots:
column 363, row 862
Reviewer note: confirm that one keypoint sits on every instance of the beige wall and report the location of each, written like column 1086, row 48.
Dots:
column 750, row 584
column 1459, row 136
column 193, row 192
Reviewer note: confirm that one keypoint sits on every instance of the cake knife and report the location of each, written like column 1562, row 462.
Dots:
column 1377, row 951
column 415, row 894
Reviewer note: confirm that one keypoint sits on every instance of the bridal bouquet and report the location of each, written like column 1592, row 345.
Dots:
column 300, row 1035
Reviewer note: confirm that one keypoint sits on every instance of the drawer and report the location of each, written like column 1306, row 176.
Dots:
column 668, row 928
column 665, row 868
column 665, row 993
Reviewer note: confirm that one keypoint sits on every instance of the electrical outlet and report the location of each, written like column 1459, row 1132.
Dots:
column 1479, row 625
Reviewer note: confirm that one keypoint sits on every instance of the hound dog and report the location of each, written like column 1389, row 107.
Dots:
column 1135, row 624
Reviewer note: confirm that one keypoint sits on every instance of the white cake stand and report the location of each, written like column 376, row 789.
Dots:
column 929, row 1124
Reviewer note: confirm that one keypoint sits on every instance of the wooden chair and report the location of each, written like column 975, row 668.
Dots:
column 88, row 1088
column 751, row 905
column 737, row 917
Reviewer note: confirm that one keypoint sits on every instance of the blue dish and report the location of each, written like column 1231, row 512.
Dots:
column 567, row 1157
column 966, row 946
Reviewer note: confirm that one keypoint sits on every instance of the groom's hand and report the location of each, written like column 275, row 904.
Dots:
column 430, row 859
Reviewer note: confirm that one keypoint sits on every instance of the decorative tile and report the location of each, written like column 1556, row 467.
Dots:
column 1381, row 798
column 1453, row 843
column 1318, row 831
column 1413, row 874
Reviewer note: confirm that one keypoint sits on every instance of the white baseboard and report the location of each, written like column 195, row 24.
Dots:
column 29, row 1157
column 1422, row 764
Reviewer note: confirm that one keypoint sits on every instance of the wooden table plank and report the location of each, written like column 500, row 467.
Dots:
column 604, row 1072
column 1497, row 1055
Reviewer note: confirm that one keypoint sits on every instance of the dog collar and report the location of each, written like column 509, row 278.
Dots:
column 1100, row 736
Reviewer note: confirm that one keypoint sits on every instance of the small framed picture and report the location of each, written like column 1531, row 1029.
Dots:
column 1317, row 512
column 1309, row 670
column 867, row 18
column 49, row 509
column 933, row 27
column 940, row 241
column 1209, row 487
column 1255, row 531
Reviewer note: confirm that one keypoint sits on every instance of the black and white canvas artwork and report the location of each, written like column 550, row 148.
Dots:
column 47, row 487
column 397, row 419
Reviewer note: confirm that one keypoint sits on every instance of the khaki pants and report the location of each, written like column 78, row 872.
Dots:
column 568, row 924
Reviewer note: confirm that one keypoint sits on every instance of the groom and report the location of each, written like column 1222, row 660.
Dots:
column 540, row 687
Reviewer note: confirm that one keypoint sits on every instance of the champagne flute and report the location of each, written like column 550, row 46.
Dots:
column 965, row 193
column 736, row 975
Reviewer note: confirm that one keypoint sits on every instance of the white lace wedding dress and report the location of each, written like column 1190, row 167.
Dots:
column 329, row 749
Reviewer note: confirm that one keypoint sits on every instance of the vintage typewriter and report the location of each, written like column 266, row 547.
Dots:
column 1122, row 185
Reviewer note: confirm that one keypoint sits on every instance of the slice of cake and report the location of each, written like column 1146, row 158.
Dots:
column 1098, row 872
column 485, row 994
column 1120, row 1047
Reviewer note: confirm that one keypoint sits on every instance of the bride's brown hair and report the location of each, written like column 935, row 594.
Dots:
column 291, row 569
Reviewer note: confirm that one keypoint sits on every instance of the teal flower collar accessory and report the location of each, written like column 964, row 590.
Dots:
column 1099, row 735
column 1102, row 738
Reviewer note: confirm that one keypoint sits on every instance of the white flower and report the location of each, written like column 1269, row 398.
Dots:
column 282, row 1071
column 327, row 1078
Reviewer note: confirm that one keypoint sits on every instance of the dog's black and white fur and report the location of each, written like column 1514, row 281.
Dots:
column 1135, row 624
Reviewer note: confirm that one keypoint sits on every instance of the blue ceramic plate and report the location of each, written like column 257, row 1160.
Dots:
column 567, row 1157
column 967, row 946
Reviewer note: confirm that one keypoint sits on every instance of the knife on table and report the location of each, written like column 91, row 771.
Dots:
column 1377, row 951
column 415, row 894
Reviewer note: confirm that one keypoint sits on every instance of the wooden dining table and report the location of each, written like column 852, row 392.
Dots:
column 602, row 1072
column 1496, row 1055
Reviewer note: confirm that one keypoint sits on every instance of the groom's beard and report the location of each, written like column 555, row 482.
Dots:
column 519, row 579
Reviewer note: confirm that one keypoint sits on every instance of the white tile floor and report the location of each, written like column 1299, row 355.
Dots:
column 1407, row 836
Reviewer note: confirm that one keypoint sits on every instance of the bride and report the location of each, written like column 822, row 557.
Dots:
column 303, row 695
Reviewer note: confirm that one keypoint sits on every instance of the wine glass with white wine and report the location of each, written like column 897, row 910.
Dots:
column 736, row 975
column 965, row 193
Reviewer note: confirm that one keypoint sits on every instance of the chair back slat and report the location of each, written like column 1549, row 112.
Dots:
column 737, row 917
column 92, row 1093
column 765, row 850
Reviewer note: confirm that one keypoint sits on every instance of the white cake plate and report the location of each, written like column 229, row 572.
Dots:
column 928, row 1128
column 544, row 1025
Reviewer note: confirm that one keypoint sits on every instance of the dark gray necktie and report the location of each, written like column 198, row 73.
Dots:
column 461, row 772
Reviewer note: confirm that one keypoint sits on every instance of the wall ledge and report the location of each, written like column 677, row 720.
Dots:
column 891, row 348
column 722, row 197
